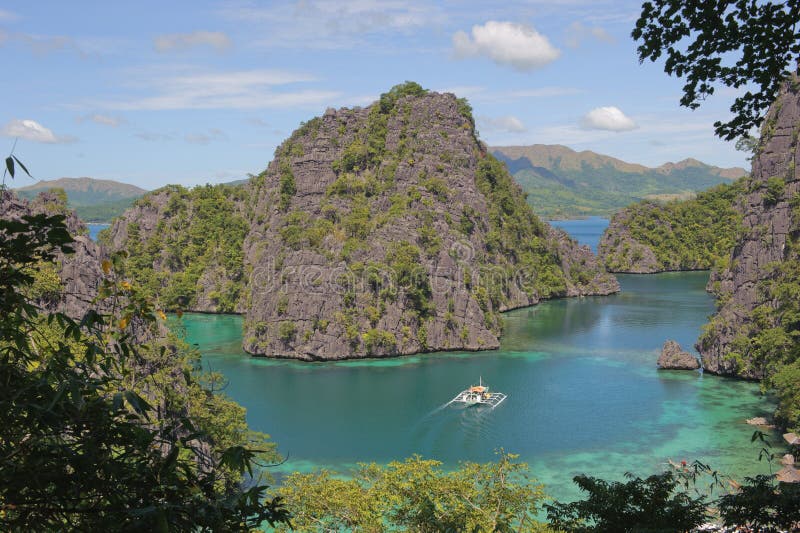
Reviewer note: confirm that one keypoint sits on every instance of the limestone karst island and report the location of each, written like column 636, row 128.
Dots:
column 420, row 266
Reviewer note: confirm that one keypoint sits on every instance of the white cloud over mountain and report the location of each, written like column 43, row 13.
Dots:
column 608, row 118
column 30, row 130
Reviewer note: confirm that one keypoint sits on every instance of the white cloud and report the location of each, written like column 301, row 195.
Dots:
column 213, row 134
column 608, row 118
column 244, row 89
column 335, row 24
column 182, row 41
column 103, row 120
column 507, row 123
column 153, row 137
column 577, row 33
column 31, row 130
column 506, row 43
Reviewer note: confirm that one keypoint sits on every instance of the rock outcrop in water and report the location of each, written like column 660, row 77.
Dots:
column 674, row 358
column 752, row 292
column 377, row 231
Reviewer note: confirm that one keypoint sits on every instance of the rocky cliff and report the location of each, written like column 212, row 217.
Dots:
column 79, row 274
column 755, row 329
column 694, row 234
column 391, row 230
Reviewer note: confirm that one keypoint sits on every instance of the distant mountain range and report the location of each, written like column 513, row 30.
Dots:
column 561, row 182
column 94, row 200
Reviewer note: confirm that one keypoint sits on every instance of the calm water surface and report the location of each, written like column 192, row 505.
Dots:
column 585, row 230
column 583, row 393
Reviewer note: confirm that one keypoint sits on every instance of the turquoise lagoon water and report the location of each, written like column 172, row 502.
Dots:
column 584, row 394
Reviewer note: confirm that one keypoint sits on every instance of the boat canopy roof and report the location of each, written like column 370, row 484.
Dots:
column 478, row 388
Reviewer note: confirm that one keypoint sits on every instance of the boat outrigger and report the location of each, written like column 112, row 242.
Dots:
column 479, row 395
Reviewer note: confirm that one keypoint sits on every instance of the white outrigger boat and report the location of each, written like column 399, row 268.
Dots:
column 479, row 395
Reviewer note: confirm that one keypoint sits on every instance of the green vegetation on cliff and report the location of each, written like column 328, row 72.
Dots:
column 175, row 237
column 695, row 234
column 770, row 340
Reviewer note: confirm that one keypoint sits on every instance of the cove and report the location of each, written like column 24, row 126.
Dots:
column 584, row 394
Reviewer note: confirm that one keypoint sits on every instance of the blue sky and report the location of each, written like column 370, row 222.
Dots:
column 193, row 92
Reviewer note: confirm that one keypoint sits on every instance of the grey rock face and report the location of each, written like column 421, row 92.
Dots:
column 674, row 358
column 766, row 224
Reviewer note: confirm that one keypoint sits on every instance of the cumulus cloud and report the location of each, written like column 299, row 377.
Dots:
column 507, row 123
column 608, row 118
column 103, row 120
column 506, row 43
column 183, row 41
column 577, row 33
column 30, row 130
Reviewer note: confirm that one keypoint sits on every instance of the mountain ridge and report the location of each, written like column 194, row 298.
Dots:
column 562, row 182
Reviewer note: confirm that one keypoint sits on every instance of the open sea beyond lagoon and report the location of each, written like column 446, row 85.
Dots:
column 95, row 229
column 584, row 394
column 584, row 230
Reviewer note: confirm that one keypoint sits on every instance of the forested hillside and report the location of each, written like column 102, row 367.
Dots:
column 696, row 234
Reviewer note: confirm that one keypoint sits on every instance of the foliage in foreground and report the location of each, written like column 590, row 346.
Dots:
column 98, row 431
column 416, row 495
column 678, row 499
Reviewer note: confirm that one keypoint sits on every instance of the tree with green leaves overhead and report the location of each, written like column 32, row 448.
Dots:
column 738, row 43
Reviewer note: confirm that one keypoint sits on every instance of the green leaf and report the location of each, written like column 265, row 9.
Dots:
column 20, row 164
column 137, row 403
column 10, row 165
